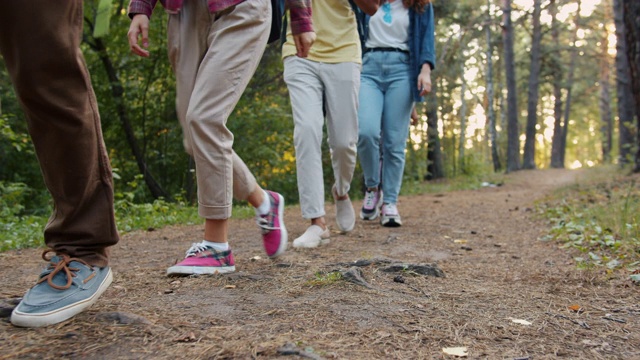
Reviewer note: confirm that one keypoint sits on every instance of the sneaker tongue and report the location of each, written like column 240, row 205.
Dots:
column 391, row 210
column 369, row 198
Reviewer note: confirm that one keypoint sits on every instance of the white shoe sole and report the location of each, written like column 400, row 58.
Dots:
column 200, row 270
column 368, row 217
column 301, row 245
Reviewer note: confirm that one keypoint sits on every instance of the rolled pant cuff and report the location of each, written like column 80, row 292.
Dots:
column 214, row 212
column 313, row 215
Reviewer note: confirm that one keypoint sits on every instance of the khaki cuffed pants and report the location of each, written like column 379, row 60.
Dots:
column 40, row 44
column 214, row 56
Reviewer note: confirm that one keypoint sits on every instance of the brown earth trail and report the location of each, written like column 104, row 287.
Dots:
column 485, row 241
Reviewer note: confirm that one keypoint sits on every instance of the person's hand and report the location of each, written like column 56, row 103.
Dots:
column 369, row 7
column 303, row 43
column 414, row 116
column 424, row 80
column 139, row 27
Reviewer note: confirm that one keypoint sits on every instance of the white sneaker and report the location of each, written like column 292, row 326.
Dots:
column 390, row 217
column 345, row 215
column 313, row 237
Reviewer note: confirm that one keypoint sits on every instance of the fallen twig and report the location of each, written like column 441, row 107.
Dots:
column 577, row 322
column 622, row 321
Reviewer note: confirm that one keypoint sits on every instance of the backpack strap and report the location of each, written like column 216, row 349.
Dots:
column 277, row 21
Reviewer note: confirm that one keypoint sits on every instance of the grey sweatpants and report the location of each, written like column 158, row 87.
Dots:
column 313, row 85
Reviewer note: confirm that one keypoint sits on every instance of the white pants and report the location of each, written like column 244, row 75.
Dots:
column 214, row 56
column 314, row 87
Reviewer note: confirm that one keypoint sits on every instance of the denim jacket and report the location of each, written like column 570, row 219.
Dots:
column 422, row 47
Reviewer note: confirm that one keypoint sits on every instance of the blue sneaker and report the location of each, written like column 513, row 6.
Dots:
column 65, row 288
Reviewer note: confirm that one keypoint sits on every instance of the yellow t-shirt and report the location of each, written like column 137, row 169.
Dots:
column 336, row 30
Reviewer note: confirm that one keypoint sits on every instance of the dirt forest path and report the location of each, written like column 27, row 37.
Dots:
column 486, row 242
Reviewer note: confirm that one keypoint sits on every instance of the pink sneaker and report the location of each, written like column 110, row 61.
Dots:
column 202, row 259
column 274, row 233
column 371, row 205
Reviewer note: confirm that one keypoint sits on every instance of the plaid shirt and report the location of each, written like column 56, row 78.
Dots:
column 300, row 10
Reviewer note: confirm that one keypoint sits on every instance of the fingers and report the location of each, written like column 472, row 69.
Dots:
column 303, row 43
column 424, row 85
column 299, row 48
column 424, row 79
column 302, row 48
column 425, row 89
column 414, row 117
column 139, row 27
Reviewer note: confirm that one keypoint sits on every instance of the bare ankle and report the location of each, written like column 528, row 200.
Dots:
column 319, row 222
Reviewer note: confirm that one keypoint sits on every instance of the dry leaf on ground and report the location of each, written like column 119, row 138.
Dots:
column 460, row 351
column 520, row 321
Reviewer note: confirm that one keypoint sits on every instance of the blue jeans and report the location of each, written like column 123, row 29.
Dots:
column 385, row 111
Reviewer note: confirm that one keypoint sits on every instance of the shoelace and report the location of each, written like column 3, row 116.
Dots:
column 60, row 266
column 264, row 223
column 370, row 199
column 196, row 248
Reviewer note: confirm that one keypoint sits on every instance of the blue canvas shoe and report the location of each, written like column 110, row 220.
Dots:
column 66, row 287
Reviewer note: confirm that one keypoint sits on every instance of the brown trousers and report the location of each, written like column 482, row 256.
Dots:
column 40, row 44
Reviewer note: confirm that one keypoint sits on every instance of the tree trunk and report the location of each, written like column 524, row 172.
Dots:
column 626, row 104
column 435, row 166
column 513, row 138
column 556, row 141
column 569, row 85
column 501, row 106
column 463, row 124
column 605, row 98
column 118, row 95
column 632, row 30
column 528, row 161
column 493, row 133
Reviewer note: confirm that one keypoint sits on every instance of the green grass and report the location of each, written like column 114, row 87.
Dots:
column 19, row 232
column 600, row 217
column 324, row 278
column 462, row 182
column 25, row 231
column 130, row 216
